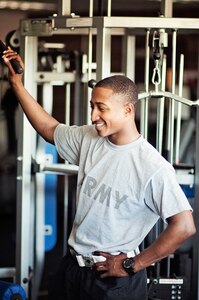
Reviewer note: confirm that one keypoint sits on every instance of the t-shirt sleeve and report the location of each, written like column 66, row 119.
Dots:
column 164, row 196
column 68, row 141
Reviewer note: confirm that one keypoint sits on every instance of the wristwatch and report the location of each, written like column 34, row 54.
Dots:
column 128, row 265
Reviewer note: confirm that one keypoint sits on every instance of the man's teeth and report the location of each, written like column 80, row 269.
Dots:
column 99, row 124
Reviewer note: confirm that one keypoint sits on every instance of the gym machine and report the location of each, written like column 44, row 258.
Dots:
column 33, row 160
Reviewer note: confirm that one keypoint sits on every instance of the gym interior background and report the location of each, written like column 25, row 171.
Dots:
column 67, row 52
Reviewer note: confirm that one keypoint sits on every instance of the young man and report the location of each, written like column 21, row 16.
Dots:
column 124, row 186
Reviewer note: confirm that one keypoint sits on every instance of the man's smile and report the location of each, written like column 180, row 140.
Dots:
column 99, row 125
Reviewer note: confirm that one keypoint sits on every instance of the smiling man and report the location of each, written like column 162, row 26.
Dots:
column 124, row 186
column 115, row 121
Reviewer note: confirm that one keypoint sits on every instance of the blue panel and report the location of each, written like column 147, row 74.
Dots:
column 189, row 191
column 11, row 291
column 51, row 202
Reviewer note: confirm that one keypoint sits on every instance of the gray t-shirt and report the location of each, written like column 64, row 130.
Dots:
column 121, row 190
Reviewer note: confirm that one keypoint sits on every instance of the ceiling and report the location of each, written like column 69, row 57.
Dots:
column 181, row 8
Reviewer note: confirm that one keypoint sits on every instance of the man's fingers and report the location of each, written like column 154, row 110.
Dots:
column 7, row 62
column 101, row 268
column 10, row 54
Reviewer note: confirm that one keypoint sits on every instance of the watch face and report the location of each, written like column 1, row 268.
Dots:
column 128, row 262
column 128, row 265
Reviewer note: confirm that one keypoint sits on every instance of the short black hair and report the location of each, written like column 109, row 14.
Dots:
column 120, row 84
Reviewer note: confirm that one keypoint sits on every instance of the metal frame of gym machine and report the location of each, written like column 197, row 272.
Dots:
column 30, row 191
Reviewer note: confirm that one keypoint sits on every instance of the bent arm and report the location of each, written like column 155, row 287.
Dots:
column 180, row 228
column 42, row 122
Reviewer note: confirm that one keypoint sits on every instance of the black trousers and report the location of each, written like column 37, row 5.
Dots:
column 72, row 282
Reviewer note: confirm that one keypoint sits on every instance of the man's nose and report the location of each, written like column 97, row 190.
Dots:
column 94, row 115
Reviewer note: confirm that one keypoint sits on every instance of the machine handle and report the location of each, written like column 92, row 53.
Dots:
column 16, row 66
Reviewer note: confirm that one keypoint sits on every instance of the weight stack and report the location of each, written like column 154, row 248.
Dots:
column 167, row 289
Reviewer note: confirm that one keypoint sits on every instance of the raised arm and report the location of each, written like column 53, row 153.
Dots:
column 42, row 122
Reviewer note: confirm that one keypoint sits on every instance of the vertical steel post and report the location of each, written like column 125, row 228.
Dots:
column 66, row 181
column 39, row 246
column 171, row 117
column 195, row 266
column 167, row 8
column 64, row 7
column 25, row 190
column 172, row 102
column 90, row 59
column 109, row 8
column 179, row 110
column 128, row 57
column 144, row 103
column 103, row 49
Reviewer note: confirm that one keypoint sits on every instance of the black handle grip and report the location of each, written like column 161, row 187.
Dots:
column 92, row 83
column 16, row 66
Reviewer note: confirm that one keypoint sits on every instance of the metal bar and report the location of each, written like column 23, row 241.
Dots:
column 103, row 51
column 25, row 194
column 168, row 95
column 160, row 110
column 90, row 43
column 195, row 277
column 109, row 8
column 134, row 22
column 144, row 105
column 167, row 8
column 65, row 221
column 179, row 110
column 64, row 7
column 58, row 25
column 59, row 169
column 195, row 265
column 91, row 8
column 90, row 59
column 31, row 27
column 67, row 104
column 172, row 103
column 78, row 108
column 66, row 182
column 149, row 22
column 39, row 246
column 7, row 272
column 57, row 78
column 128, row 57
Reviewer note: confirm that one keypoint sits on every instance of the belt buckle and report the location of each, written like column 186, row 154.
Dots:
column 88, row 261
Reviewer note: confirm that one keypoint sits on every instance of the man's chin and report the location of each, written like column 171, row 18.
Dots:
column 102, row 133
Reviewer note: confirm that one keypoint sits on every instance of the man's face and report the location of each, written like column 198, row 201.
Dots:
column 108, row 113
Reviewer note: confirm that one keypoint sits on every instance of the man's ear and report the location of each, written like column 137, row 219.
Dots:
column 129, row 108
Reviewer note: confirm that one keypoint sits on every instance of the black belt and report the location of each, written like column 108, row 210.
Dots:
column 89, row 260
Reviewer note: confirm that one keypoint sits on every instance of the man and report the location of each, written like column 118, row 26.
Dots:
column 124, row 186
